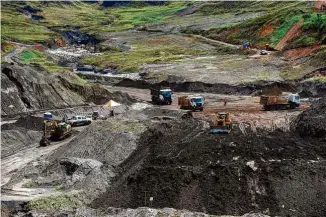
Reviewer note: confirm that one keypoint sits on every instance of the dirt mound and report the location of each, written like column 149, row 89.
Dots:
column 312, row 122
column 186, row 168
column 21, row 134
column 26, row 122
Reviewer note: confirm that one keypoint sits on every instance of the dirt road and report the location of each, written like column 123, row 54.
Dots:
column 244, row 109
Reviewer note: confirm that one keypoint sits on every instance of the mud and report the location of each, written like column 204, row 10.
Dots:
column 186, row 168
column 312, row 123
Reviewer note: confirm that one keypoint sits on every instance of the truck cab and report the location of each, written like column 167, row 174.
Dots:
column 162, row 96
column 295, row 99
column 191, row 102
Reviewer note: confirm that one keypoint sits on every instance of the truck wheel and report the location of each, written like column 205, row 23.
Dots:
column 44, row 142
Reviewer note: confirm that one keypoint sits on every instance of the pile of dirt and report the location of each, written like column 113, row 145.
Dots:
column 186, row 168
column 27, row 122
column 21, row 134
column 312, row 122
column 88, row 161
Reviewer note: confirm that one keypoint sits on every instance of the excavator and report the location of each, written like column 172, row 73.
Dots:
column 221, row 124
column 55, row 130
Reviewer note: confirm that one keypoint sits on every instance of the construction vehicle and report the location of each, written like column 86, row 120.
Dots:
column 191, row 102
column 55, row 130
column 283, row 101
column 161, row 96
column 222, row 123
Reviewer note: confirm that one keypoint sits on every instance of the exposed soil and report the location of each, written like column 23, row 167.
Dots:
column 192, row 168
column 267, row 30
column 292, row 33
column 300, row 52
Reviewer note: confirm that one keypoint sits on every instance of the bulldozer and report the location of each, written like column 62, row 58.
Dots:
column 55, row 130
column 222, row 123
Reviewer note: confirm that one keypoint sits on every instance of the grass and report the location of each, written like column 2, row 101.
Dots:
column 38, row 57
column 129, row 17
column 127, row 127
column 90, row 18
column 142, row 53
column 16, row 27
column 280, row 32
column 56, row 203
column 280, row 14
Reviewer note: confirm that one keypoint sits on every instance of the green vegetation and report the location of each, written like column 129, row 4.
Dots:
column 6, row 48
column 127, row 127
column 58, row 187
column 17, row 27
column 129, row 17
column 314, row 22
column 38, row 57
column 279, row 15
column 57, row 203
column 91, row 18
column 142, row 53
column 280, row 32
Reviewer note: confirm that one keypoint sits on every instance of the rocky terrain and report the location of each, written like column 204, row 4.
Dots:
column 159, row 160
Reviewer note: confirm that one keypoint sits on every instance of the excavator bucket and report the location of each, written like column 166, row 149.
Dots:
column 219, row 130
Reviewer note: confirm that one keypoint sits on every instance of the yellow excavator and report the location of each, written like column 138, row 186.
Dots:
column 55, row 130
column 221, row 124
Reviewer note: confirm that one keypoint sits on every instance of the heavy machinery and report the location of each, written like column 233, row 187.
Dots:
column 55, row 130
column 161, row 96
column 222, row 123
column 191, row 102
column 284, row 101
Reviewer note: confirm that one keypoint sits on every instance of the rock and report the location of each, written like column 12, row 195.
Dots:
column 27, row 88
column 251, row 164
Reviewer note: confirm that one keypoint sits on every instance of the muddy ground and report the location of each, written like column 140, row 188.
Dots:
column 176, row 161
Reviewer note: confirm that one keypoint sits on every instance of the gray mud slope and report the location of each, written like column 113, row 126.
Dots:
column 186, row 168
column 88, row 161
column 26, row 131
column 26, row 87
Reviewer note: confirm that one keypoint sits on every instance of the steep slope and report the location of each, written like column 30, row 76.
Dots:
column 27, row 88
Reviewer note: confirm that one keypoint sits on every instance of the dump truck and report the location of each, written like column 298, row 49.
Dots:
column 191, row 102
column 161, row 96
column 221, row 124
column 55, row 130
column 283, row 101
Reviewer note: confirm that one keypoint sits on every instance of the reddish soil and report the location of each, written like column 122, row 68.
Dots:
column 319, row 4
column 292, row 33
column 267, row 30
column 189, row 38
column 300, row 52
